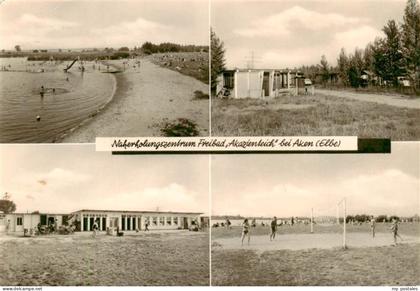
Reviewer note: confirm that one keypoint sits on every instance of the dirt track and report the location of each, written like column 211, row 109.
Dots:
column 144, row 100
column 393, row 100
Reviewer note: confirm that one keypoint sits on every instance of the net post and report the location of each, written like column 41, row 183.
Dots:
column 345, row 222
column 312, row 220
column 338, row 214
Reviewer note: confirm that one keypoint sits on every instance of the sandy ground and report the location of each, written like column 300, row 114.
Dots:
column 156, row 258
column 393, row 100
column 309, row 241
column 144, row 100
column 298, row 258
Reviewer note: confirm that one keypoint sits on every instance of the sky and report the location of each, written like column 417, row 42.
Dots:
column 288, row 34
column 53, row 24
column 66, row 178
column 291, row 184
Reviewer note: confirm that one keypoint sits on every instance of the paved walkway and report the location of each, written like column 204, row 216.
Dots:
column 393, row 100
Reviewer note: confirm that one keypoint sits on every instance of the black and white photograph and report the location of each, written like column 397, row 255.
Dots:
column 71, row 71
column 209, row 143
column 316, row 220
column 73, row 217
column 314, row 68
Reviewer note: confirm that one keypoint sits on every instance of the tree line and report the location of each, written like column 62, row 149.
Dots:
column 386, row 61
column 380, row 218
column 166, row 47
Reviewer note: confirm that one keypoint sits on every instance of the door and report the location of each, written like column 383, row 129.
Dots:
column 43, row 219
column 103, row 223
column 266, row 84
column 185, row 223
column 19, row 223
column 3, row 222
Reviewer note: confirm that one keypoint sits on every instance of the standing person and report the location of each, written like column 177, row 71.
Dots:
column 95, row 228
column 146, row 225
column 228, row 223
column 254, row 222
column 8, row 226
column 373, row 226
column 273, row 228
column 394, row 229
column 245, row 231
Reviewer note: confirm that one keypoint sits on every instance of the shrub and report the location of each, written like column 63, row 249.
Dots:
column 181, row 127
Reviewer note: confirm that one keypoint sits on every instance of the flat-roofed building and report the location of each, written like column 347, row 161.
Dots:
column 259, row 83
column 106, row 220
column 126, row 220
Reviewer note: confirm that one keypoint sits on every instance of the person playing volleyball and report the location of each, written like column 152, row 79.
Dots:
column 394, row 230
column 373, row 226
column 273, row 228
column 245, row 231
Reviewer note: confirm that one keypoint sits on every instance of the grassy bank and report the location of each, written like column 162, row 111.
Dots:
column 193, row 64
column 313, row 115
column 178, row 258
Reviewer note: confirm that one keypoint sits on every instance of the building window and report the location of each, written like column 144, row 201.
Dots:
column 168, row 220
column 19, row 221
column 154, row 220
column 161, row 220
column 176, row 220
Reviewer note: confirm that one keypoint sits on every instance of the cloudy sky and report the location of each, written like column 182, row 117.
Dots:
column 289, row 185
column 286, row 33
column 101, row 23
column 65, row 178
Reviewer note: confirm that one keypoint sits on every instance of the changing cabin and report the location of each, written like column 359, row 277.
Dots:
column 259, row 83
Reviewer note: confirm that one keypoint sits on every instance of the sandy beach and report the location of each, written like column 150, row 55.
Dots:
column 156, row 258
column 144, row 100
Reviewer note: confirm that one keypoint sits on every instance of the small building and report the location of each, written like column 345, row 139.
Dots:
column 17, row 222
column 107, row 220
column 259, row 83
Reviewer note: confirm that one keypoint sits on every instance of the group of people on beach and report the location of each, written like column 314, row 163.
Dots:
column 6, row 68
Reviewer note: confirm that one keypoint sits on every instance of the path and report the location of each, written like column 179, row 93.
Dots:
column 144, row 100
column 393, row 100
column 309, row 241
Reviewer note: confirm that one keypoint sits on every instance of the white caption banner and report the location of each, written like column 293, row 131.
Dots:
column 227, row 144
